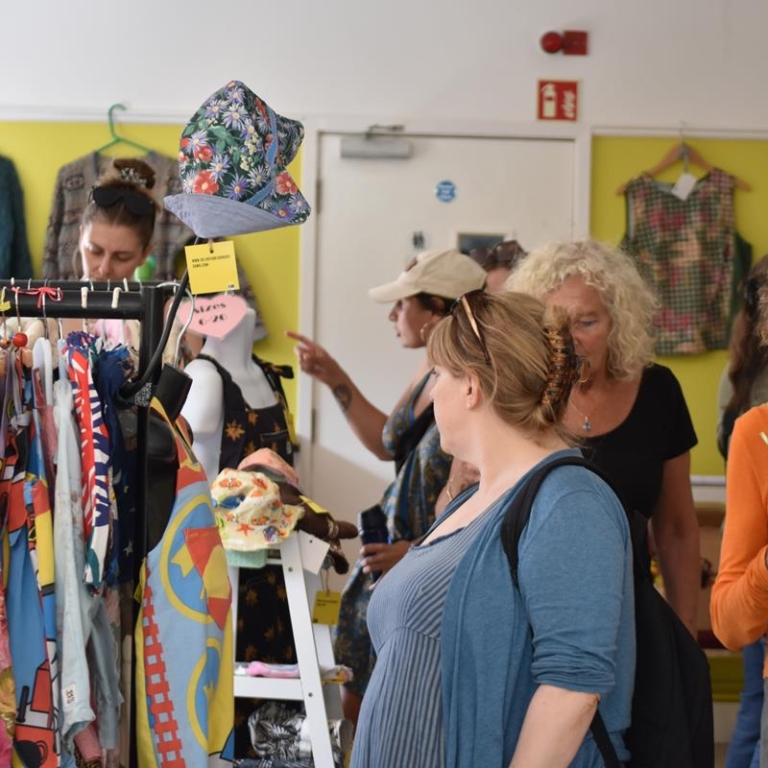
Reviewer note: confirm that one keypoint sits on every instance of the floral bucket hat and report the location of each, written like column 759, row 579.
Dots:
column 251, row 516
column 232, row 163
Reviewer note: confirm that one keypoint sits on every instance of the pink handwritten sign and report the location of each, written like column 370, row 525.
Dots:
column 217, row 316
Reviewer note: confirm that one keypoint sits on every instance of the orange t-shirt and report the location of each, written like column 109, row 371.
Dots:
column 739, row 604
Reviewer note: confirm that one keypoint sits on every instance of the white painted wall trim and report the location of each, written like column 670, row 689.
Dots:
column 685, row 132
column 76, row 115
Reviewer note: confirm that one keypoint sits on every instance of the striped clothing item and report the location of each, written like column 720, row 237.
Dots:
column 401, row 721
column 97, row 493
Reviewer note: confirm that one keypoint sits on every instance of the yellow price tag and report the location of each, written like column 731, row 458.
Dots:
column 326, row 608
column 212, row 267
column 314, row 506
column 289, row 422
column 4, row 305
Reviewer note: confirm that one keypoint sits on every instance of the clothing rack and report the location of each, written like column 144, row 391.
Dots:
column 145, row 302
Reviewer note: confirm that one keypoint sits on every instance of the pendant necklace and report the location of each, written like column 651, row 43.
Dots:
column 586, row 425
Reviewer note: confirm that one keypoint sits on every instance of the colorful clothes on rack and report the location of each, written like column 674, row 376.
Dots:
column 72, row 598
column 184, row 690
column 7, row 688
column 15, row 260
column 115, row 368
column 32, row 643
column 96, row 483
column 70, row 196
column 690, row 254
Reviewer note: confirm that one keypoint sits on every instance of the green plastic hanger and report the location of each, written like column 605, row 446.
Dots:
column 116, row 139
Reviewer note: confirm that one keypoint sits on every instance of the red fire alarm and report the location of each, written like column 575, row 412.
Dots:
column 551, row 42
column 575, row 43
column 571, row 42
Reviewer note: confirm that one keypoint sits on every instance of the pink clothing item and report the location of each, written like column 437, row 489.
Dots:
column 261, row 669
column 87, row 742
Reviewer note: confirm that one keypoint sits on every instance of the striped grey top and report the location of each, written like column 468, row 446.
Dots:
column 401, row 724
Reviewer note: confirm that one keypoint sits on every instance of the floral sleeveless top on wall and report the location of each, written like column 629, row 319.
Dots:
column 690, row 254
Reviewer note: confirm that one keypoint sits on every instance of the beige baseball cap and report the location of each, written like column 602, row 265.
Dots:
column 446, row 273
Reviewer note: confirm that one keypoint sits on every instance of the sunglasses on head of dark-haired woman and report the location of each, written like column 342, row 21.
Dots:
column 108, row 195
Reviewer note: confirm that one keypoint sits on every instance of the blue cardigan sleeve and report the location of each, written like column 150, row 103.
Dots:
column 574, row 574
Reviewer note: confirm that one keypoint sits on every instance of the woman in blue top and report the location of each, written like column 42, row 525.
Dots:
column 472, row 671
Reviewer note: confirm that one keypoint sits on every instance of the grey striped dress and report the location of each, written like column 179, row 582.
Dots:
column 401, row 723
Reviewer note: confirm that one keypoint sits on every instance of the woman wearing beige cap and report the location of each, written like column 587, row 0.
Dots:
column 421, row 295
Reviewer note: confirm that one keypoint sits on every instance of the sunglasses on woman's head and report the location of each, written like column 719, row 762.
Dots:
column 135, row 202
column 464, row 302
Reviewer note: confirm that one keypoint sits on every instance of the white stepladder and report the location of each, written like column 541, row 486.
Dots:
column 301, row 557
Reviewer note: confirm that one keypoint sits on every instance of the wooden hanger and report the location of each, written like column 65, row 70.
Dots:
column 116, row 139
column 687, row 154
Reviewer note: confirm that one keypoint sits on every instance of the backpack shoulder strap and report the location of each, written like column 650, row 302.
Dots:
column 518, row 512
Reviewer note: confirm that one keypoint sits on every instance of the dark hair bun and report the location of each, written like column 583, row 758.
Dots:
column 130, row 170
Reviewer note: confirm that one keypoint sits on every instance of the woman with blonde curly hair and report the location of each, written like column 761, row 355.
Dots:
column 629, row 412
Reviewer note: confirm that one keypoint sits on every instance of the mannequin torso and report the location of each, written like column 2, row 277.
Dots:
column 204, row 408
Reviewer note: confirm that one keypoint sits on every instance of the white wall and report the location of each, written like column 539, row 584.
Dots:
column 652, row 63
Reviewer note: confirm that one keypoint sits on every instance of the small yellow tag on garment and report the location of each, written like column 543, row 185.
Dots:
column 326, row 608
column 4, row 305
column 212, row 267
column 291, row 424
column 314, row 506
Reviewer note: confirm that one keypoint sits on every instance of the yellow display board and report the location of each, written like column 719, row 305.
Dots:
column 614, row 161
column 270, row 259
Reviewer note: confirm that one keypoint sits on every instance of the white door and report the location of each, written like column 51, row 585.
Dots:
column 370, row 211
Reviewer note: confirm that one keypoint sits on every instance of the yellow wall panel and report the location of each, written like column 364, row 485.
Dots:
column 617, row 159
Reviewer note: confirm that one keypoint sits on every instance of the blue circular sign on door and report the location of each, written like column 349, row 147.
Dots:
column 445, row 191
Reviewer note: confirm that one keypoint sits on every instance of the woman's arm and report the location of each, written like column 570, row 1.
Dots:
column 554, row 727
column 676, row 533
column 366, row 420
column 739, row 604
column 575, row 576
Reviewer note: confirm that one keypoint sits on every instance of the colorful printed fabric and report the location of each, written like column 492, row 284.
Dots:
column 96, row 483
column 7, row 689
column 73, row 599
column 37, row 501
column 115, row 367
column 32, row 644
column 409, row 503
column 687, row 252
column 184, row 690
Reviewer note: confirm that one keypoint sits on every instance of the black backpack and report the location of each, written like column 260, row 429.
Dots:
column 672, row 725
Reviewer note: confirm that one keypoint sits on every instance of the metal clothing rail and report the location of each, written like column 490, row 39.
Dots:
column 144, row 302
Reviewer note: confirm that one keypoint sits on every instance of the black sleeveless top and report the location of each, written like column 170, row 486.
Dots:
column 247, row 429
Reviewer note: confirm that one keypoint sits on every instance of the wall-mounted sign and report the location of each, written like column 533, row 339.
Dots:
column 445, row 191
column 558, row 100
